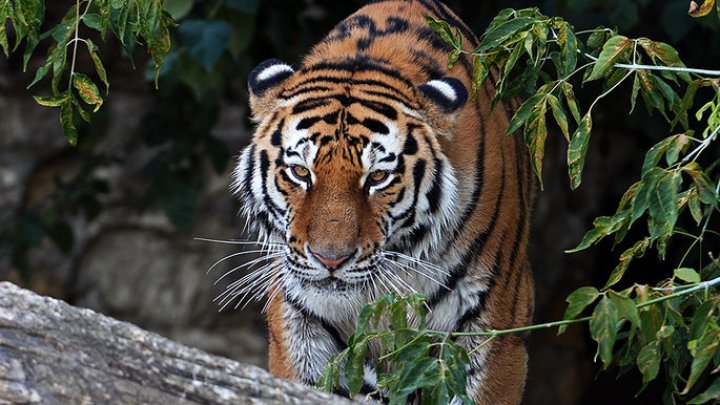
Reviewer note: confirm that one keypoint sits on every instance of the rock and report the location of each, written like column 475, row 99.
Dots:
column 51, row 352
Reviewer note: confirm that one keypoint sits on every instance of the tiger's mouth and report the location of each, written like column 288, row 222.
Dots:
column 330, row 283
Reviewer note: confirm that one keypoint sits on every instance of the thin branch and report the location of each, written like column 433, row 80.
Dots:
column 635, row 66
column 499, row 332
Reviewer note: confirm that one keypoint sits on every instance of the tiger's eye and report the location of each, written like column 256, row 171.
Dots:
column 300, row 171
column 378, row 176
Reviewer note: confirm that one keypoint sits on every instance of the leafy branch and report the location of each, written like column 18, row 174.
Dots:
column 135, row 21
column 672, row 325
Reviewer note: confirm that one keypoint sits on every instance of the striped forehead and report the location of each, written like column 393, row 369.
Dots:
column 353, row 133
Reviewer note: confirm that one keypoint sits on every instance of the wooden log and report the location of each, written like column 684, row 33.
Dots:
column 53, row 353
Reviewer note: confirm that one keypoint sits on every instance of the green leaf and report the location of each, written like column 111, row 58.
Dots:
column 654, row 154
column 648, row 184
column 559, row 115
column 577, row 301
column 99, row 68
column 94, row 21
column 355, row 366
column 687, row 274
column 523, row 113
column 663, row 208
column 497, row 35
column 685, row 104
column 702, row 351
column 602, row 226
column 694, row 206
column 612, row 51
column 480, row 73
column 679, row 144
column 535, row 136
column 330, row 378
column 88, row 91
column 637, row 250
column 603, row 328
column 567, row 89
column 577, row 151
column 512, row 59
column 4, row 14
column 705, row 188
column 648, row 361
column 51, row 101
column 441, row 28
column 626, row 308
column 597, row 38
column 710, row 394
column 66, row 120
column 415, row 375
column 568, row 49
column 666, row 53
column 635, row 90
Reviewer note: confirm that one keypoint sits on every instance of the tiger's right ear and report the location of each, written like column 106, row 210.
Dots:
column 265, row 84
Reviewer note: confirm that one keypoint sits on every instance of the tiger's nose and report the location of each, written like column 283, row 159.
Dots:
column 331, row 260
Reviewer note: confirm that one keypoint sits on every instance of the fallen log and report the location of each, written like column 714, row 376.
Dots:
column 51, row 352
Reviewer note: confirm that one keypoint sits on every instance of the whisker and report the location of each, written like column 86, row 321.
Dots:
column 249, row 264
column 424, row 263
column 230, row 256
column 236, row 241
column 415, row 270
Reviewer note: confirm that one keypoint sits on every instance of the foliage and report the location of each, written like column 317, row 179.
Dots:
column 413, row 362
column 130, row 21
column 192, row 75
column 671, row 326
column 672, row 332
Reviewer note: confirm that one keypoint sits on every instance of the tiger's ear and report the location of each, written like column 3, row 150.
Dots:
column 441, row 100
column 265, row 83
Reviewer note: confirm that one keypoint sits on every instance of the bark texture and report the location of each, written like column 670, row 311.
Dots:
column 53, row 353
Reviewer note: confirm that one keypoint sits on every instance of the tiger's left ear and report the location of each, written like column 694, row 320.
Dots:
column 441, row 100
column 265, row 84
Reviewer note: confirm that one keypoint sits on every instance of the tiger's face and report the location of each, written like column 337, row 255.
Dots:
column 346, row 172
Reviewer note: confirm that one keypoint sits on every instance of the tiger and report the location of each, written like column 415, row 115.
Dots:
column 372, row 170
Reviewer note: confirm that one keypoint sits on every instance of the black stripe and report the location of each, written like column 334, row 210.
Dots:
column 307, row 105
column 375, row 126
column 249, row 171
column 409, row 214
column 402, row 100
column 381, row 108
column 264, row 167
column 359, row 64
column 475, row 310
column 435, row 194
column 308, row 89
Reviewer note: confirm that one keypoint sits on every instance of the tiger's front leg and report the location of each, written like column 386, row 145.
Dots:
column 300, row 346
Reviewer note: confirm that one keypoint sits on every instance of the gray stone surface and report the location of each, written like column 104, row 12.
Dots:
column 53, row 353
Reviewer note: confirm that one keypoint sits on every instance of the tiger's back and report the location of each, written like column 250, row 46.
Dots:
column 376, row 96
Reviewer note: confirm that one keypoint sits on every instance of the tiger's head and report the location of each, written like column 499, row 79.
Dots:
column 346, row 171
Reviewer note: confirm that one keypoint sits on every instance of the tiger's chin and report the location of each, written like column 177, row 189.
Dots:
column 329, row 297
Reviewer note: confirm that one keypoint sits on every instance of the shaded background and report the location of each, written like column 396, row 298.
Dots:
column 110, row 224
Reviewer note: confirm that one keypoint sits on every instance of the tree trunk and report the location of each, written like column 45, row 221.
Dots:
column 51, row 352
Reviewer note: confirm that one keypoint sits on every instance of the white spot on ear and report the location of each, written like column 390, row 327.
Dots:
column 445, row 89
column 272, row 71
